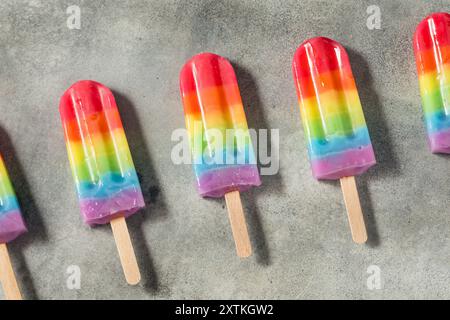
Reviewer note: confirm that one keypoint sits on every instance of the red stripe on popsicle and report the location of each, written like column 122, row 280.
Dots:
column 434, row 29
column 320, row 55
column 320, row 65
column 86, row 96
column 215, row 71
column 88, row 107
column 432, row 43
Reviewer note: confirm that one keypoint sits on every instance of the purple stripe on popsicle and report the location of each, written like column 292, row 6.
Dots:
column 352, row 162
column 11, row 226
column 439, row 141
column 101, row 211
column 217, row 183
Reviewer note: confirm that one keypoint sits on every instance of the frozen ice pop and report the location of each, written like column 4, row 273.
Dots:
column 432, row 50
column 221, row 148
column 338, row 140
column 11, row 226
column 100, row 159
column 11, row 222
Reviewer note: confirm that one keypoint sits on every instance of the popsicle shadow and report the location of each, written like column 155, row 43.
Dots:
column 31, row 214
column 387, row 163
column 156, row 208
column 270, row 183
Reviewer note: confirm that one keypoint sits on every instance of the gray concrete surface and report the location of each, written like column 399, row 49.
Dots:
column 298, row 226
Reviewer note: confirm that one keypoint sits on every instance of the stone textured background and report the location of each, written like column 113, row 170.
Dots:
column 298, row 226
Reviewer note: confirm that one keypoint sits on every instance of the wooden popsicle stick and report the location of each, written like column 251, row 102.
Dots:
column 238, row 224
column 354, row 212
column 126, row 251
column 7, row 277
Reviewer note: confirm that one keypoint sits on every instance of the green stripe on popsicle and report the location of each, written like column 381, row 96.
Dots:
column 333, row 125
column 112, row 163
column 6, row 188
column 436, row 100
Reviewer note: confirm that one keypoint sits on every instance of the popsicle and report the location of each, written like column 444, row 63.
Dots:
column 11, row 226
column 102, row 167
column 221, row 148
column 432, row 50
column 339, row 145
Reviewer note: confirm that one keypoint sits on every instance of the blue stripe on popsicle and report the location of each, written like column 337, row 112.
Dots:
column 8, row 204
column 437, row 121
column 322, row 148
column 111, row 184
column 238, row 158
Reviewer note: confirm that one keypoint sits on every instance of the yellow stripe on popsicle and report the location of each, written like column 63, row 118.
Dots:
column 339, row 113
column 107, row 153
column 433, row 80
column 6, row 188
column 216, row 119
column 331, row 104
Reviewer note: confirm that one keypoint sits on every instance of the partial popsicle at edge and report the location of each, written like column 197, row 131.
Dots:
column 339, row 144
column 432, row 51
column 221, row 148
column 11, row 226
column 106, row 180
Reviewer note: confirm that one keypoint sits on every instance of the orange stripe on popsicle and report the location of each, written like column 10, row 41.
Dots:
column 219, row 97
column 88, row 124
column 429, row 60
column 324, row 82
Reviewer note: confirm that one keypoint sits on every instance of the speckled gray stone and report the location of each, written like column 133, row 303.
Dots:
column 298, row 226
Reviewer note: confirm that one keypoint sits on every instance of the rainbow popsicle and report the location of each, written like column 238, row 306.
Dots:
column 221, row 148
column 104, row 173
column 11, row 226
column 338, row 140
column 432, row 50
column 11, row 222
column 99, row 155
column 212, row 107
